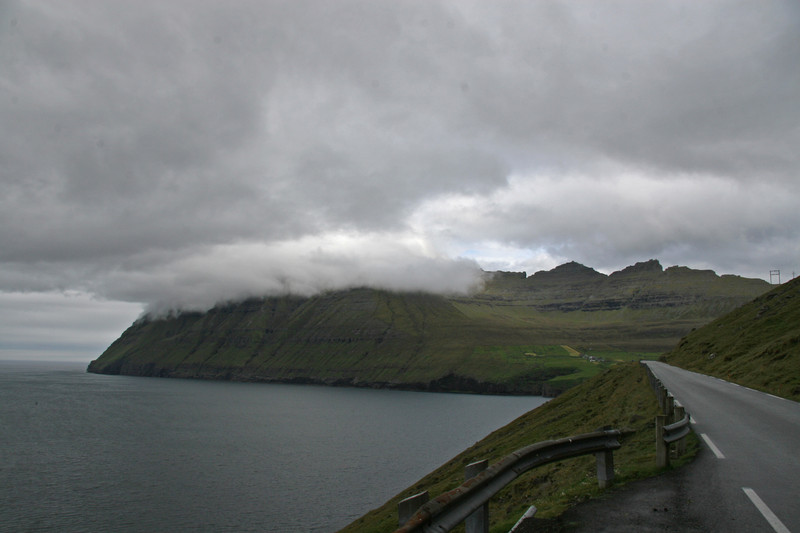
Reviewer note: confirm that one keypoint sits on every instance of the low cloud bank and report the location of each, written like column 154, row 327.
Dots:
column 202, row 278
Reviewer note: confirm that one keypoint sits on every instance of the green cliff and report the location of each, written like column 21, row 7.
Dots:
column 520, row 334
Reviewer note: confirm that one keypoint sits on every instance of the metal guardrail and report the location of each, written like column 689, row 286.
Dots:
column 668, row 433
column 677, row 430
column 451, row 508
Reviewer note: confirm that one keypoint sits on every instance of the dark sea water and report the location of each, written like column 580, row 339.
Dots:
column 86, row 452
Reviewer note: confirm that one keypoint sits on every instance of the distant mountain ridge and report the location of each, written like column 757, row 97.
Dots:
column 481, row 343
column 644, row 285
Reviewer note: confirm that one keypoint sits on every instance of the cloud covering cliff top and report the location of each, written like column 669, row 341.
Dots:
column 173, row 154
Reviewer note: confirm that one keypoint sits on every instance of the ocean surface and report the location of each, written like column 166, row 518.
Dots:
column 87, row 452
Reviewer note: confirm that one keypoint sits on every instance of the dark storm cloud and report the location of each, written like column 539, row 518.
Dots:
column 181, row 153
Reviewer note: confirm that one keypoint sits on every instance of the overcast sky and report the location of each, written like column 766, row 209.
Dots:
column 161, row 155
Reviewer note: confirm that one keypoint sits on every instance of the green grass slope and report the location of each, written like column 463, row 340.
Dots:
column 620, row 397
column 756, row 345
column 356, row 337
column 509, row 338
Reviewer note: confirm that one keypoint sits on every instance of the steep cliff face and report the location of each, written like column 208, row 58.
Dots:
column 348, row 337
column 677, row 291
column 367, row 337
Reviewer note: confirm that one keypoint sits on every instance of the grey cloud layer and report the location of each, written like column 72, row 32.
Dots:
column 140, row 138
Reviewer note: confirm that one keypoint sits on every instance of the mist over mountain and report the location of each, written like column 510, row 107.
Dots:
column 516, row 334
column 242, row 272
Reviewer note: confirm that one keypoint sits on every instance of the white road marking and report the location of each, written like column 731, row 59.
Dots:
column 777, row 397
column 773, row 520
column 692, row 420
column 712, row 446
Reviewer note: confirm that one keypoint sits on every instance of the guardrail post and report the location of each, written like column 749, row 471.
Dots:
column 652, row 378
column 477, row 522
column 680, row 447
column 605, row 468
column 406, row 508
column 669, row 408
column 662, row 448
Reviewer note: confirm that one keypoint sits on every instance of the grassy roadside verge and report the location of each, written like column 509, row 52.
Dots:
column 756, row 345
column 619, row 397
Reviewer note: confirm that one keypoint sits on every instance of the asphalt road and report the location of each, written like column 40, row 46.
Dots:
column 749, row 478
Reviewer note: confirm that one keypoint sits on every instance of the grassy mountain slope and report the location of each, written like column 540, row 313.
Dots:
column 756, row 345
column 620, row 397
column 519, row 335
column 354, row 337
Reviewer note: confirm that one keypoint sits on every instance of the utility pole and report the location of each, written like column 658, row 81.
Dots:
column 774, row 274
